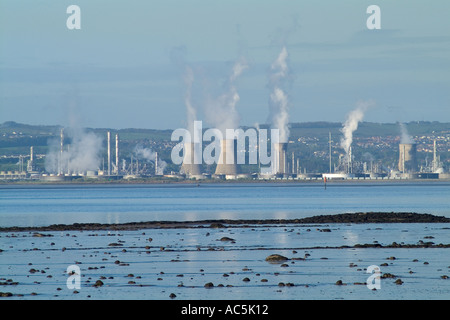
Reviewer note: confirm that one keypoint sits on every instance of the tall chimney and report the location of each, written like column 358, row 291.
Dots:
column 61, row 153
column 109, row 153
column 117, row 154
column 227, row 150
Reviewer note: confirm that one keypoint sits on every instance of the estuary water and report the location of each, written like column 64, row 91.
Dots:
column 41, row 205
column 196, row 264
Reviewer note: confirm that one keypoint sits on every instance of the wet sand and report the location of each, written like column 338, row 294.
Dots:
column 324, row 257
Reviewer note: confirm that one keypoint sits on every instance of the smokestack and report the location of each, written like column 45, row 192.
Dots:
column 109, row 153
column 30, row 165
column 189, row 167
column 434, row 156
column 329, row 141
column 61, row 153
column 407, row 161
column 117, row 154
column 280, row 158
column 293, row 163
column 32, row 153
column 227, row 150
column 156, row 163
column 349, row 160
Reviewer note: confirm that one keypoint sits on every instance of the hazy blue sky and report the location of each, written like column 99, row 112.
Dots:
column 125, row 67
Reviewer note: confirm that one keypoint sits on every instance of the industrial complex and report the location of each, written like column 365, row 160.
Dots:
column 285, row 165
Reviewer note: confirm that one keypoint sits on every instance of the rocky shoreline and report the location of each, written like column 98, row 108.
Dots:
column 360, row 217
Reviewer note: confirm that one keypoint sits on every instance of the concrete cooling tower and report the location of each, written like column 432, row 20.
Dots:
column 189, row 167
column 407, row 161
column 280, row 158
column 228, row 148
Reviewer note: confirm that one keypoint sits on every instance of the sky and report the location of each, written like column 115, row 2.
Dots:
column 126, row 66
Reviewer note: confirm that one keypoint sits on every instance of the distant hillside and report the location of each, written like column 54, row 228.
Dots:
column 308, row 141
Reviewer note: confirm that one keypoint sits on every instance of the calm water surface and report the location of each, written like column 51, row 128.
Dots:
column 65, row 204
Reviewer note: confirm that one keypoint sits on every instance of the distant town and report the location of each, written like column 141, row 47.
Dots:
column 313, row 152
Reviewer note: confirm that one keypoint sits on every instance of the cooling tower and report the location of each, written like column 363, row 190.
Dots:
column 407, row 161
column 227, row 150
column 280, row 158
column 189, row 167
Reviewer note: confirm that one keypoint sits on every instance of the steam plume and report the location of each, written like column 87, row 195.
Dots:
column 149, row 155
column 278, row 99
column 178, row 58
column 83, row 153
column 191, row 112
column 221, row 112
column 405, row 137
column 351, row 124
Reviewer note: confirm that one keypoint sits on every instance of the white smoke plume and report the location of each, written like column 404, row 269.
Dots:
column 351, row 124
column 191, row 112
column 405, row 137
column 82, row 152
column 221, row 112
column 149, row 155
column 178, row 58
column 278, row 98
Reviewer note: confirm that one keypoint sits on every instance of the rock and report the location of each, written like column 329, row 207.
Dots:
column 444, row 277
column 6, row 294
column 284, row 265
column 226, row 239
column 114, row 244
column 325, row 230
column 398, row 282
column 216, row 225
column 172, row 296
column 290, row 284
column 40, row 235
column 388, row 276
column 98, row 283
column 209, row 285
column 339, row 283
column 246, row 279
column 276, row 258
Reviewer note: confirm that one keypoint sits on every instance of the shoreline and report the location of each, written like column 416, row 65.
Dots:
column 358, row 218
column 161, row 181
